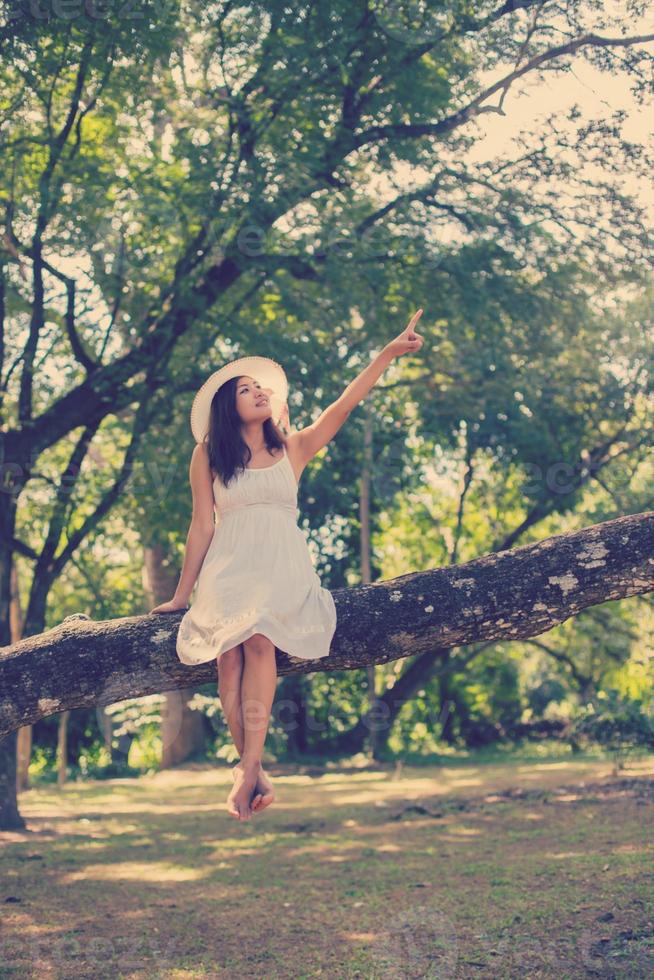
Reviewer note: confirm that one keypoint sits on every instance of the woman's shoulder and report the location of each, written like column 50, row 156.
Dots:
column 200, row 453
column 200, row 457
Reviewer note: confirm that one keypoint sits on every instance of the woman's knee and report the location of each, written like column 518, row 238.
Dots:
column 231, row 659
column 258, row 644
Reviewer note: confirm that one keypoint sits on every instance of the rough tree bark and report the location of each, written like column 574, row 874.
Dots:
column 24, row 734
column 504, row 595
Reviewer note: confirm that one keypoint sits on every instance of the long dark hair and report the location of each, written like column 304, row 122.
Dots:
column 229, row 453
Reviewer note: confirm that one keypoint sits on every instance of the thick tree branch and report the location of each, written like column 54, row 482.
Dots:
column 475, row 108
column 76, row 344
column 509, row 595
column 96, row 395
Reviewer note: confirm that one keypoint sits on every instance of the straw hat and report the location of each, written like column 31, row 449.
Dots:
column 267, row 372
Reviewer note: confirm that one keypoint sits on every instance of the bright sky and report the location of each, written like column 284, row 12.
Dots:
column 598, row 94
column 528, row 103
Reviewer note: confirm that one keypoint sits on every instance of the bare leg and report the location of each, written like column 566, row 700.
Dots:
column 258, row 683
column 230, row 670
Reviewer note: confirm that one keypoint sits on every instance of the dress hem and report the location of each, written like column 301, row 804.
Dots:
column 282, row 643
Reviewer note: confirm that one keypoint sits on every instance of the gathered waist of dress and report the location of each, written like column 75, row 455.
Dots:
column 269, row 505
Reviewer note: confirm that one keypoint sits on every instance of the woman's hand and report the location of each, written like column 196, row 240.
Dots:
column 173, row 605
column 408, row 341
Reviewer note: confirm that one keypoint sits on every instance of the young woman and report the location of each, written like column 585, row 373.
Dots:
column 257, row 588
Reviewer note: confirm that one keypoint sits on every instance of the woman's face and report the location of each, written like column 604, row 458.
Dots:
column 252, row 401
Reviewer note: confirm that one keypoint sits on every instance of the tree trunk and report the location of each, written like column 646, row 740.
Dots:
column 24, row 740
column 447, row 703
column 23, row 757
column 12, row 478
column 508, row 595
column 293, row 715
column 62, row 748
column 10, row 818
column 182, row 729
column 106, row 726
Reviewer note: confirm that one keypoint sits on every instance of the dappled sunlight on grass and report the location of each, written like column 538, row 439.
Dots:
column 465, row 832
column 359, row 788
column 157, row 864
column 151, row 871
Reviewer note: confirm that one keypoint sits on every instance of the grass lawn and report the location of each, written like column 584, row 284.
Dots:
column 486, row 867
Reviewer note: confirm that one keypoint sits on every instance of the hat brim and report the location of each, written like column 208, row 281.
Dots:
column 267, row 372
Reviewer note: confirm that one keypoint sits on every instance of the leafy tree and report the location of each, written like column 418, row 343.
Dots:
column 161, row 170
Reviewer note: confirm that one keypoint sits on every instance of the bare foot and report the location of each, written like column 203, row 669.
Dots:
column 238, row 801
column 264, row 792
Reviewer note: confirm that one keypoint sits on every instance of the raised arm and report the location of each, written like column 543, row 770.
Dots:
column 314, row 437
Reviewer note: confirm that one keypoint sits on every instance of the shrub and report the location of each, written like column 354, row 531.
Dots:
column 622, row 727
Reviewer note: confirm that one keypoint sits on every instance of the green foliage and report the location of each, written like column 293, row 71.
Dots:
column 94, row 762
column 545, row 692
column 624, row 728
column 527, row 413
column 42, row 766
column 335, row 701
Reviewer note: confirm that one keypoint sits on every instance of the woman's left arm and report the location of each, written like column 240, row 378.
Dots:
column 314, row 437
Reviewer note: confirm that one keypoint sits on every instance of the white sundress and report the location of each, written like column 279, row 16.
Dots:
column 258, row 575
